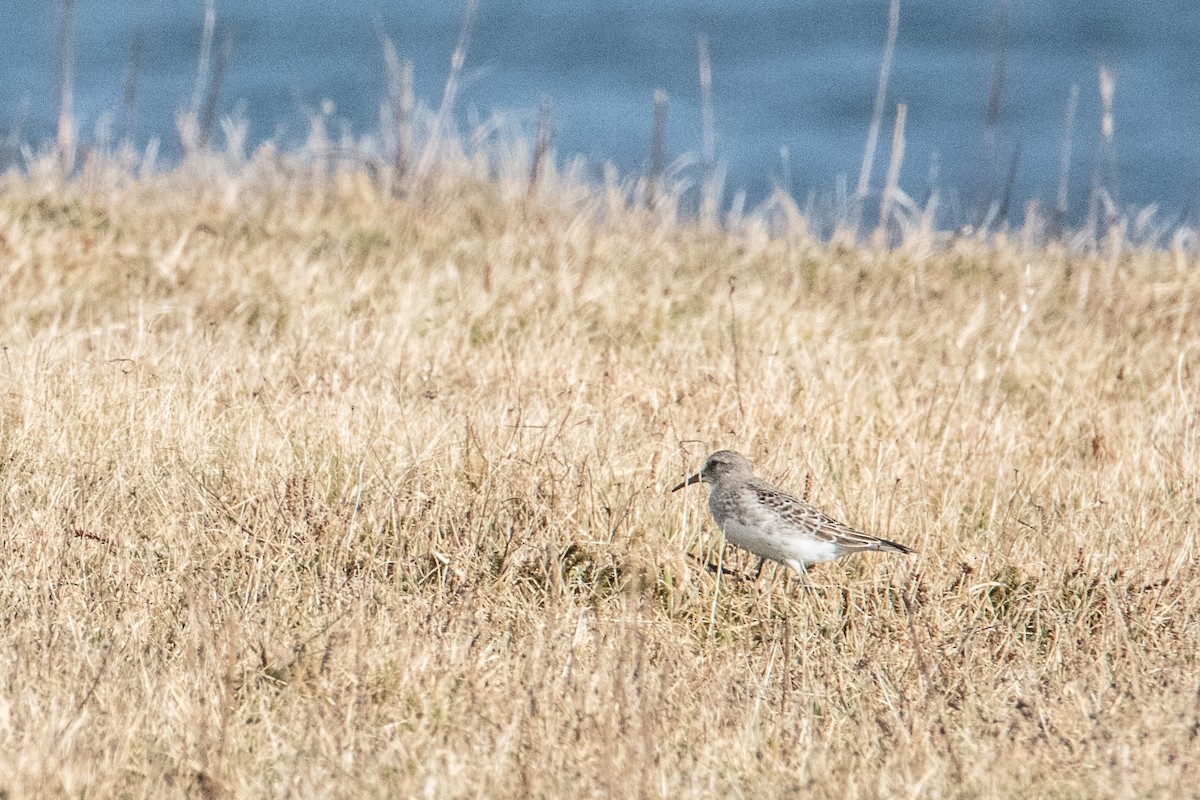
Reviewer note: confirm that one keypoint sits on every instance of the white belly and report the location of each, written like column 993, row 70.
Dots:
column 783, row 545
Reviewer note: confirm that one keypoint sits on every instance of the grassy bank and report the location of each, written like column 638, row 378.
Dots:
column 307, row 490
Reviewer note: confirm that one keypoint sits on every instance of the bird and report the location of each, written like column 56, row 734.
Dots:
column 772, row 524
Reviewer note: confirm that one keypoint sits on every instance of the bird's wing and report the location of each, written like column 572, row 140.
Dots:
column 814, row 522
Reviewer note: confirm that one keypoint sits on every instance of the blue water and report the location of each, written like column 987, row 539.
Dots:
column 795, row 77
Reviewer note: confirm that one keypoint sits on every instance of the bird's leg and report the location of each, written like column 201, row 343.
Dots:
column 757, row 570
column 804, row 581
column 801, row 578
column 715, row 569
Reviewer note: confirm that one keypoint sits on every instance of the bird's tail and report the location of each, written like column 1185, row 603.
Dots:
column 892, row 547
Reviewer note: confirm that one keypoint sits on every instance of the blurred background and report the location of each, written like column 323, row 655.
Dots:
column 987, row 85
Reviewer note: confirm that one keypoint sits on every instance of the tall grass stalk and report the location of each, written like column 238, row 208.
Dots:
column 449, row 92
column 1064, row 168
column 868, row 162
column 892, row 183
column 654, row 177
column 709, row 185
column 66, row 85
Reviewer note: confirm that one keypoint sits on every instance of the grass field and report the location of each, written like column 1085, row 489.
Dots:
column 308, row 491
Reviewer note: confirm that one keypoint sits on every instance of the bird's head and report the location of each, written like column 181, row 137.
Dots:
column 720, row 465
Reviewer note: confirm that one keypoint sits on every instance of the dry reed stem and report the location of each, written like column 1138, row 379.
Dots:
column 709, row 189
column 654, row 176
column 892, row 183
column 66, row 85
column 885, row 69
column 1064, row 166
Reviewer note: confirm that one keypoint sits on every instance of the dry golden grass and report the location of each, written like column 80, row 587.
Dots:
column 308, row 492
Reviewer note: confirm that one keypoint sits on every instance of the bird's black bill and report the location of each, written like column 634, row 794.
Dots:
column 688, row 482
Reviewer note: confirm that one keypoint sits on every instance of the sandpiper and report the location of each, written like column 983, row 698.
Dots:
column 773, row 524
